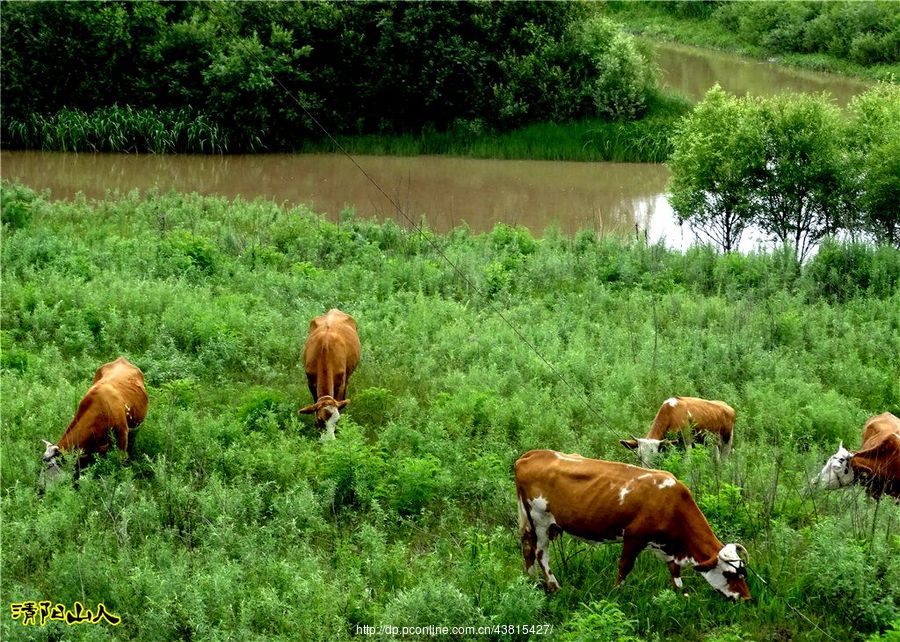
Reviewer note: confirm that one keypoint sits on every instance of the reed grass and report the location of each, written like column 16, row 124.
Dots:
column 121, row 129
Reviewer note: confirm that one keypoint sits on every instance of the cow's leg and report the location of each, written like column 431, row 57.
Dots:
column 528, row 537
column 675, row 570
column 543, row 520
column 311, row 384
column 631, row 548
column 121, row 430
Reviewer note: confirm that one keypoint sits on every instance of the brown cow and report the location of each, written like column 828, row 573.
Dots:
column 677, row 415
column 330, row 356
column 876, row 465
column 602, row 500
column 115, row 401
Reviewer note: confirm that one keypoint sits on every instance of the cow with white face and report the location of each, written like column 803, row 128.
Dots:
column 603, row 500
column 679, row 415
column 876, row 465
column 836, row 473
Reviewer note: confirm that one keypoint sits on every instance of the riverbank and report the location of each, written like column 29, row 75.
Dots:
column 123, row 129
column 231, row 520
column 653, row 21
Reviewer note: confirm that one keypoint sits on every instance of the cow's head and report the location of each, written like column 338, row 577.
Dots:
column 837, row 471
column 327, row 413
column 647, row 449
column 727, row 573
column 51, row 456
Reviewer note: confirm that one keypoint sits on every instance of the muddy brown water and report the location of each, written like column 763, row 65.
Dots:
column 446, row 191
column 692, row 71
column 608, row 197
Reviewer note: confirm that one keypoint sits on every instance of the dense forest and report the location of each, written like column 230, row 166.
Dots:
column 253, row 76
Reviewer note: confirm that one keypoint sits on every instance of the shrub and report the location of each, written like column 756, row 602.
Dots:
column 601, row 620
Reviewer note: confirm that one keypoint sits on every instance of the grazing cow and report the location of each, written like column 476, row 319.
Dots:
column 330, row 356
column 115, row 401
column 603, row 500
column 876, row 465
column 677, row 415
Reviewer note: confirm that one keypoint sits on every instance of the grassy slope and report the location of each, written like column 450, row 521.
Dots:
column 233, row 521
column 657, row 24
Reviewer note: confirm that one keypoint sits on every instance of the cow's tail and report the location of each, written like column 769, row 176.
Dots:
column 526, row 523
column 725, row 443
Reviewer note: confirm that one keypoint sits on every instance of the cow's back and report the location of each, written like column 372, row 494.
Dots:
column 332, row 335
column 117, row 395
column 879, row 427
column 121, row 382
column 596, row 499
column 880, row 452
column 677, row 413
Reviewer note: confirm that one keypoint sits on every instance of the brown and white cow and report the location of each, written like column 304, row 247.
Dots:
column 677, row 415
column 115, row 401
column 603, row 500
column 330, row 356
column 876, row 465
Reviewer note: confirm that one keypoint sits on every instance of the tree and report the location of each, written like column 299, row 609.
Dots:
column 802, row 196
column 716, row 164
column 875, row 145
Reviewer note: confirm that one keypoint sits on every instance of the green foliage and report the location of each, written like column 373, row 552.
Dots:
column 232, row 519
column 848, row 581
column 16, row 205
column 781, row 164
column 600, row 621
column 716, row 165
column 263, row 74
column 862, row 38
column 875, row 132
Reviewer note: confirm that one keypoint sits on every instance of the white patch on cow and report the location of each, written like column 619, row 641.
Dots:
column 729, row 561
column 659, row 552
column 672, row 401
column 837, row 471
column 543, row 519
column 624, row 491
column 666, row 483
column 645, row 475
column 331, row 423
column 648, row 449
column 564, row 457
column 665, row 557
column 678, row 582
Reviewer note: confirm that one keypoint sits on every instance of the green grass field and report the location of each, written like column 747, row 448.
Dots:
column 233, row 521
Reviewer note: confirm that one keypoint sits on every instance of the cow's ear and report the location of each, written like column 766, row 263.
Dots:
column 341, row 404
column 307, row 410
column 629, row 443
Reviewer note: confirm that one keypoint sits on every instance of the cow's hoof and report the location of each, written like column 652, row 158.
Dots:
column 552, row 587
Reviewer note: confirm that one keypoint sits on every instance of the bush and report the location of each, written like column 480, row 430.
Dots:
column 17, row 204
column 601, row 620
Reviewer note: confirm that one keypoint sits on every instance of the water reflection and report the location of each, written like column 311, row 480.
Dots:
column 445, row 191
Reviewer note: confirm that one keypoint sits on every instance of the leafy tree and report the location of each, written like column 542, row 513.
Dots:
column 802, row 194
column 716, row 167
column 875, row 139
